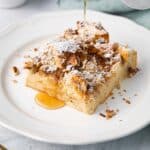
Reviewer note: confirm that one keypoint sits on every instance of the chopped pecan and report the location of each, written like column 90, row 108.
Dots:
column 103, row 115
column 73, row 60
column 126, row 100
column 110, row 113
column 16, row 71
column 28, row 65
column 132, row 71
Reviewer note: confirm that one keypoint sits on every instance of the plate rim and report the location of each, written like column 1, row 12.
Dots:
column 3, row 123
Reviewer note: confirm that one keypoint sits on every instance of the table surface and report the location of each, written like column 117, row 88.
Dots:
column 13, row 141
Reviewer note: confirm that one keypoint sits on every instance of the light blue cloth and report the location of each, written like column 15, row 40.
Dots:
column 111, row 6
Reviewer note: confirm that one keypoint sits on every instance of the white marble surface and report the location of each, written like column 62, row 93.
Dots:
column 13, row 141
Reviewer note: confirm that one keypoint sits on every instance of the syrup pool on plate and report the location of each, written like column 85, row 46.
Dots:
column 47, row 101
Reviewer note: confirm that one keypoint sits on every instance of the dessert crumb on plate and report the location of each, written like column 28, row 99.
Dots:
column 15, row 70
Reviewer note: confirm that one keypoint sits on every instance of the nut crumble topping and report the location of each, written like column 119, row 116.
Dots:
column 76, row 56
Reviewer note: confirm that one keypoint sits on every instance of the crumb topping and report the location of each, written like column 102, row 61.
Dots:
column 66, row 46
column 91, row 29
column 87, row 32
column 75, row 57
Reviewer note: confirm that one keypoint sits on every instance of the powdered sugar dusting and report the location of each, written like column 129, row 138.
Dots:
column 49, row 68
column 66, row 46
column 68, row 55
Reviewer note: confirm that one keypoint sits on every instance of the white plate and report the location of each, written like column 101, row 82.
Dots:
column 20, row 113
